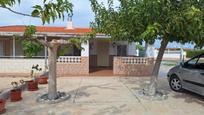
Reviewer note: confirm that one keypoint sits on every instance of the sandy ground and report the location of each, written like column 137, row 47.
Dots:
column 105, row 96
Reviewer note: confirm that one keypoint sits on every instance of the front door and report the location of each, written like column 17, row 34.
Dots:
column 102, row 53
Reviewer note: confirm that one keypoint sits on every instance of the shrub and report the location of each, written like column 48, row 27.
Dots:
column 192, row 53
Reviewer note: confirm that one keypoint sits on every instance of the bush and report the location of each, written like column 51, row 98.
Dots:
column 193, row 53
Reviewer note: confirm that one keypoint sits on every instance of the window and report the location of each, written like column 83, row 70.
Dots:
column 69, row 51
column 195, row 63
column 121, row 50
column 200, row 63
column 76, row 51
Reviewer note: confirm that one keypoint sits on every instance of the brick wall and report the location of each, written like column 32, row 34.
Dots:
column 133, row 68
column 67, row 69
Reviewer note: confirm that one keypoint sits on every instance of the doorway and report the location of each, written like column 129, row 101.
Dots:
column 102, row 53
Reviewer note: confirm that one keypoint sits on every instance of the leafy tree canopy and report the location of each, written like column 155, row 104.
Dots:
column 47, row 12
column 138, row 20
column 31, row 48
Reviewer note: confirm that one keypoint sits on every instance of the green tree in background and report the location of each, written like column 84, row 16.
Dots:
column 31, row 48
column 147, row 20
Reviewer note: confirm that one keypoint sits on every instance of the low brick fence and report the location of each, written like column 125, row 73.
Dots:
column 72, row 65
column 66, row 65
column 133, row 66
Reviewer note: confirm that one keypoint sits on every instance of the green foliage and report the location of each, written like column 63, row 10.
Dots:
column 9, row 2
column 52, row 10
column 193, row 53
column 49, row 11
column 139, row 47
column 62, row 51
column 31, row 48
column 143, row 20
column 29, row 31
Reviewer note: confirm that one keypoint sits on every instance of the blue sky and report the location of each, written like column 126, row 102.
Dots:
column 83, row 14
column 82, row 17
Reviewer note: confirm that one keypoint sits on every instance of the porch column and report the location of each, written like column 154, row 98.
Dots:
column 14, row 48
column 46, row 67
column 150, row 50
column 132, row 49
column 85, row 58
column 85, row 50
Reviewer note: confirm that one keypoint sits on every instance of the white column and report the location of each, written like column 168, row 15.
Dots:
column 150, row 50
column 85, row 50
column 46, row 67
column 14, row 48
column 132, row 49
column 181, row 55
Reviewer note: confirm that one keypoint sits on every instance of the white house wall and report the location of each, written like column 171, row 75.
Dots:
column 112, row 49
column 19, row 65
column 131, row 50
column 85, row 51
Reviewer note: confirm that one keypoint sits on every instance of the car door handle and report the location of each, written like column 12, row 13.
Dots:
column 201, row 73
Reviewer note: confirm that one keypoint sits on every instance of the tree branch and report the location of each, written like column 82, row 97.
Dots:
column 59, row 42
column 43, row 42
column 19, row 13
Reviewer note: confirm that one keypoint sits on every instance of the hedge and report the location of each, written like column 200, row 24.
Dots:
column 192, row 53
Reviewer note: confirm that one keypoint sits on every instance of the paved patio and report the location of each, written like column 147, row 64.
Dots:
column 106, row 96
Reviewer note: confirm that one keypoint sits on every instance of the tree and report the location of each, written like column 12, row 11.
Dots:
column 47, row 12
column 147, row 20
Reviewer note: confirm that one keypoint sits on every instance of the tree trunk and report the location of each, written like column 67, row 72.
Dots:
column 52, row 86
column 155, row 72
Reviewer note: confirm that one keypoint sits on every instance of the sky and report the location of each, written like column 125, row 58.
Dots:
column 82, row 17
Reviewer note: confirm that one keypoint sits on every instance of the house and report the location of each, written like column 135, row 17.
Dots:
column 116, row 57
column 173, row 53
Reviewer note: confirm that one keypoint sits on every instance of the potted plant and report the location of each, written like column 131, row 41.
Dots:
column 23, row 84
column 15, row 93
column 33, row 84
column 2, row 106
column 43, row 79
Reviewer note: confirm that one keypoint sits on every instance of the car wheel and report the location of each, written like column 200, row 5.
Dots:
column 175, row 83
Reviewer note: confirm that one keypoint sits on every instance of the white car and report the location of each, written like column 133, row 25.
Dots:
column 188, row 75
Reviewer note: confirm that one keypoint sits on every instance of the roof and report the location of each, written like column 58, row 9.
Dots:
column 176, row 49
column 46, row 29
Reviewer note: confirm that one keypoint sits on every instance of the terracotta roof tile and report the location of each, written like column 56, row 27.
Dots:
column 45, row 29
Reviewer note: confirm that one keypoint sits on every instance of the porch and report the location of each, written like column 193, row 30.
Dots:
column 99, row 57
column 78, row 65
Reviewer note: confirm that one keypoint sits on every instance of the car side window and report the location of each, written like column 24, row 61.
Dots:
column 191, row 64
column 193, row 61
column 200, row 63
